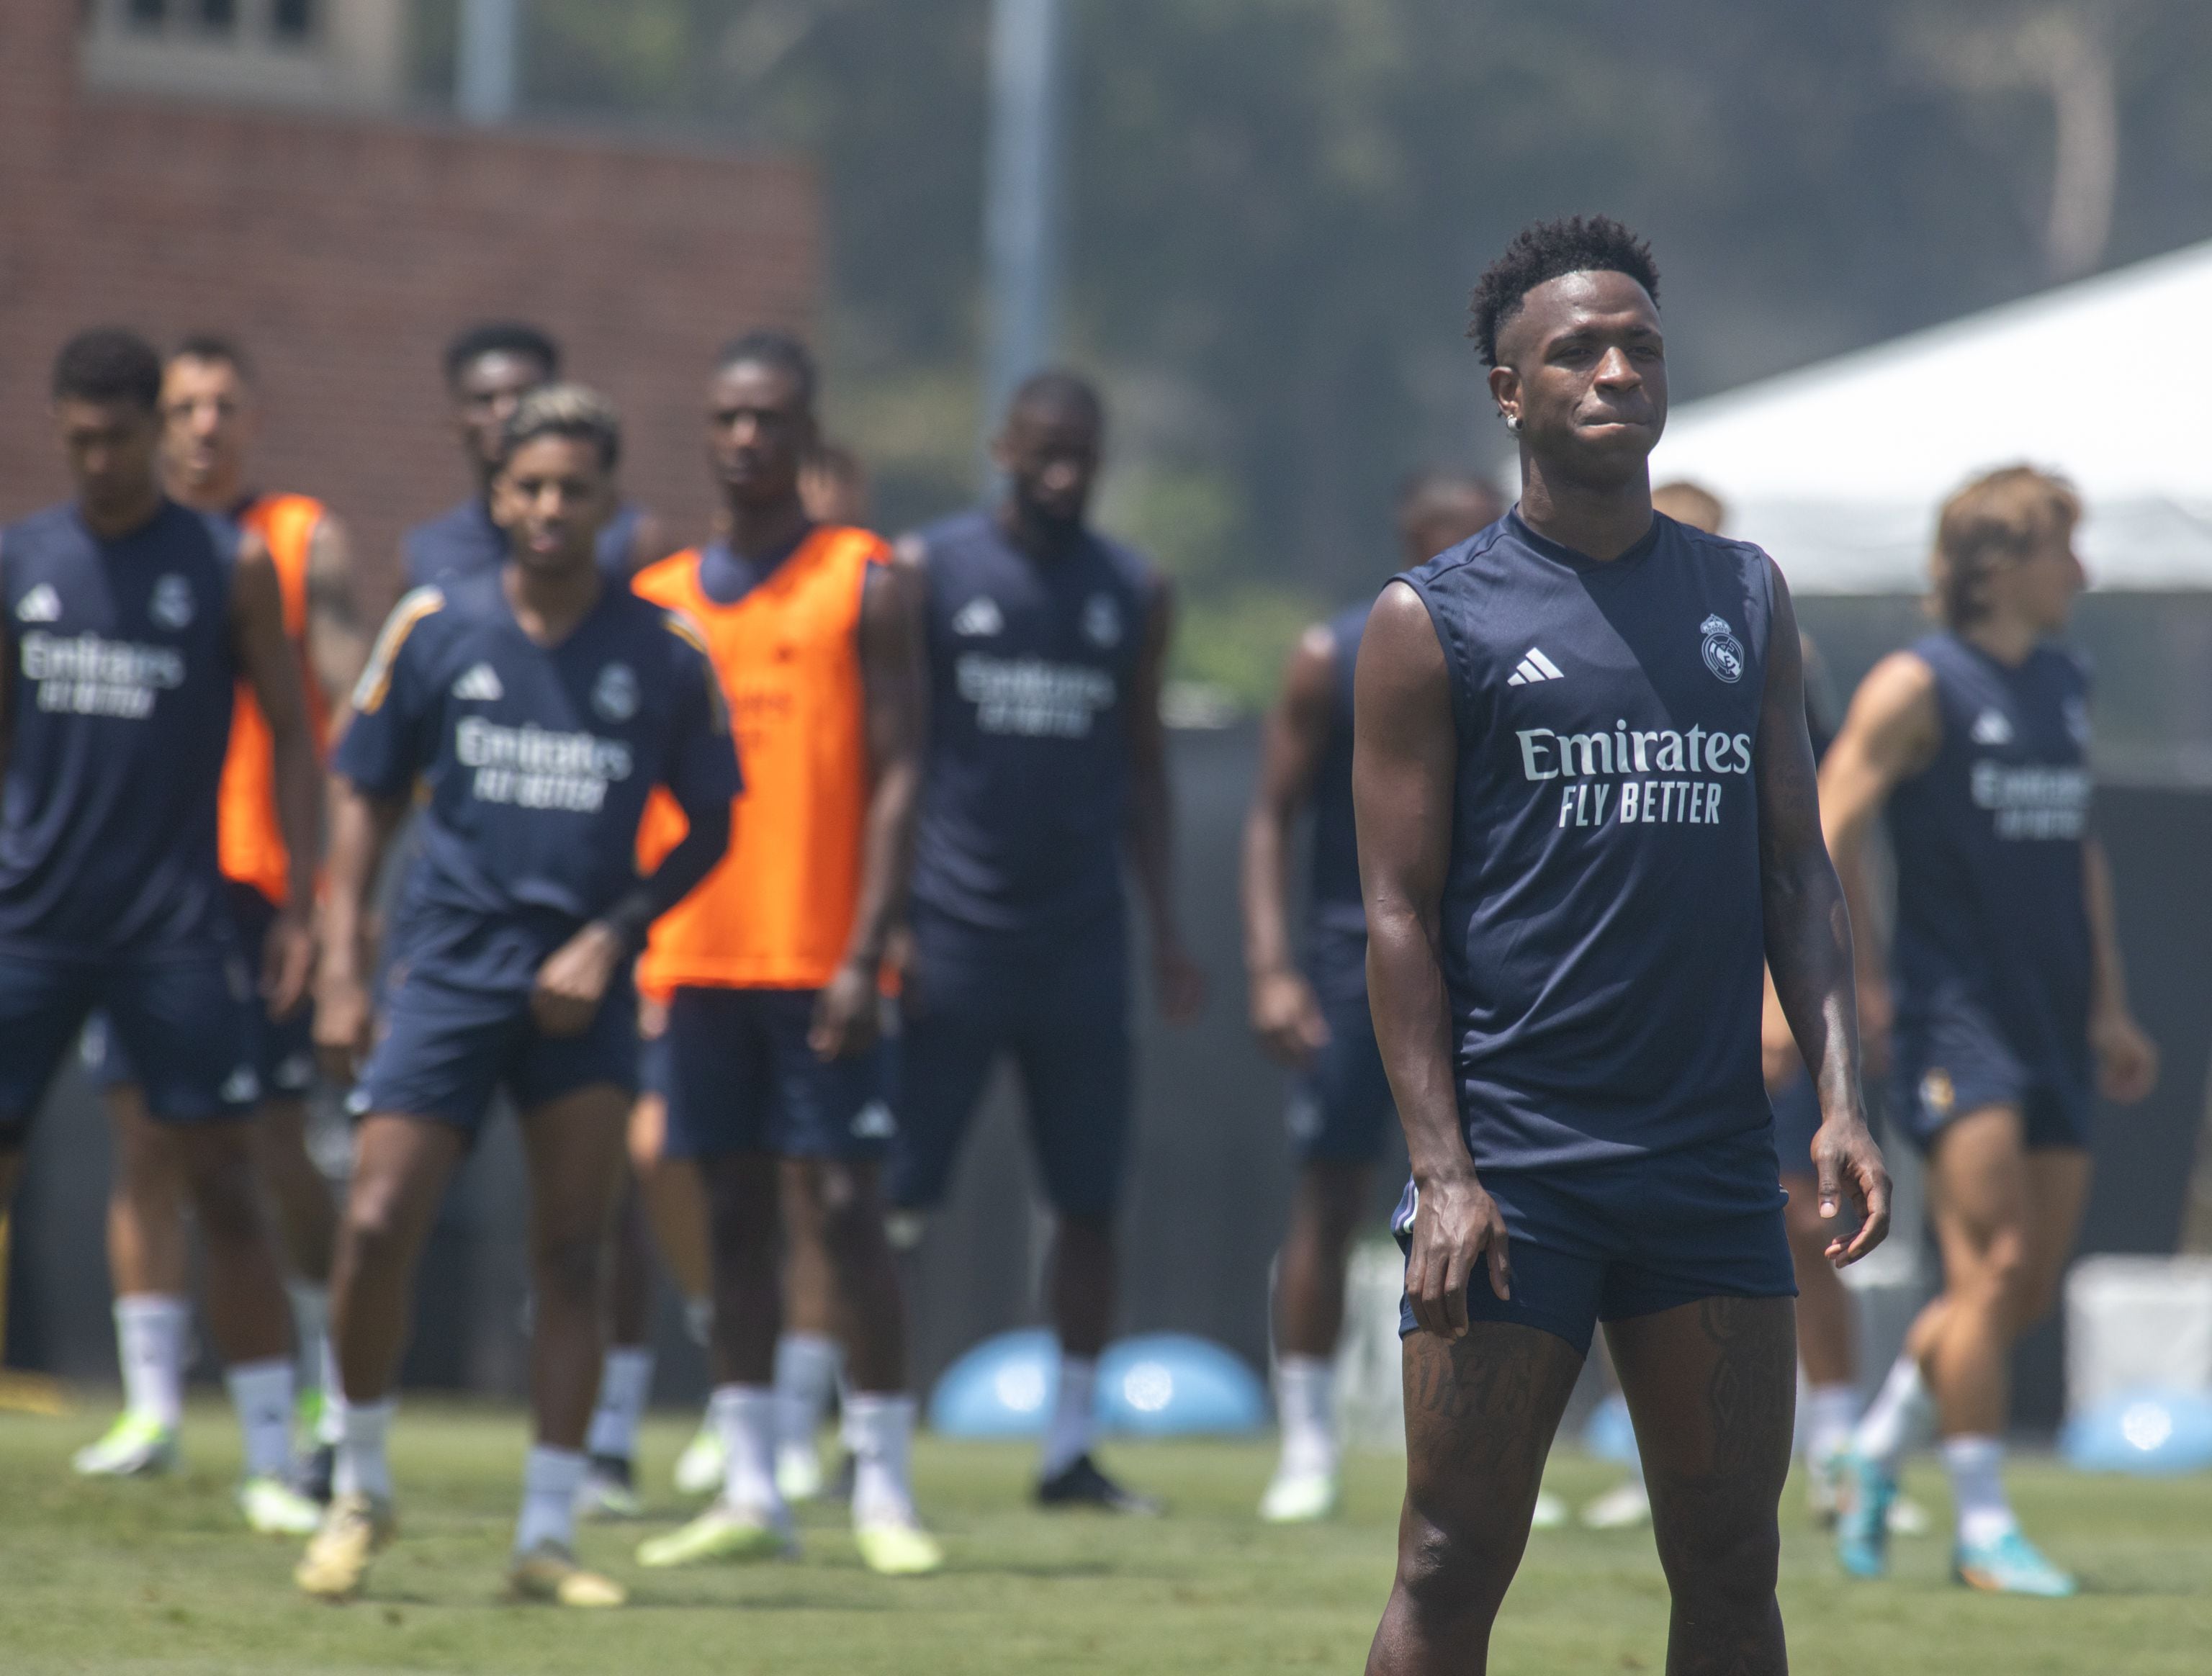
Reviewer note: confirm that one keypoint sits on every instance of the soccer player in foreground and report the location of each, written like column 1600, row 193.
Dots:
column 1583, row 789
column 2004, row 1008
column 771, row 972
column 1313, row 1017
column 130, row 622
column 489, row 369
column 1046, row 763
column 209, row 416
column 538, row 706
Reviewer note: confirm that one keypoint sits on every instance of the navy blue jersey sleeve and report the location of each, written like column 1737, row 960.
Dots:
column 385, row 747
column 702, row 769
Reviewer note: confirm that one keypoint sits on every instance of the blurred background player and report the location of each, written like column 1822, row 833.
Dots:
column 538, row 706
column 489, row 368
column 210, row 415
column 1046, row 766
column 131, row 622
column 1314, row 1018
column 2002, row 1009
column 771, row 1057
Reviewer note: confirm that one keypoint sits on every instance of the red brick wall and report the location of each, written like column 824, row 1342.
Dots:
column 343, row 253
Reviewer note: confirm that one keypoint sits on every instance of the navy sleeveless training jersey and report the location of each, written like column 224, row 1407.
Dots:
column 1030, row 662
column 536, row 760
column 125, row 670
column 464, row 540
column 1991, row 909
column 1601, row 915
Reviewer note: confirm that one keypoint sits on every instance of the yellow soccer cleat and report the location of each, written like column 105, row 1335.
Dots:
column 135, row 1447
column 355, row 1531
column 721, row 1533
column 549, row 1573
column 273, row 1507
column 898, row 1551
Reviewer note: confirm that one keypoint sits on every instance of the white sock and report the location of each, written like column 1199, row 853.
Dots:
column 361, row 1468
column 311, row 1329
column 261, row 1392
column 1074, row 1424
column 744, row 1419
column 1893, row 1421
column 149, row 1343
column 332, row 1426
column 550, row 1480
column 625, row 1382
column 879, row 1427
column 699, row 1319
column 1304, row 1399
column 1976, row 1465
column 1829, row 1412
column 806, row 1366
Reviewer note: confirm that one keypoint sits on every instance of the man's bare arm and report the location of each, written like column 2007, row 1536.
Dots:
column 1404, row 771
column 1809, row 939
column 1150, row 834
column 360, row 829
column 265, row 653
column 340, row 627
column 1284, row 1015
column 2127, row 1060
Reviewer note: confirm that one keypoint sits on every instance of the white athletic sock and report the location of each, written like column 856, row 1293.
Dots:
column 332, row 1426
column 1073, row 1422
column 361, row 1468
column 806, row 1365
column 744, row 1419
column 879, row 1427
column 550, row 1480
column 1304, row 1399
column 261, row 1392
column 699, row 1319
column 1976, row 1465
column 150, row 1342
column 1893, row 1422
column 311, row 1329
column 1829, row 1412
column 625, row 1382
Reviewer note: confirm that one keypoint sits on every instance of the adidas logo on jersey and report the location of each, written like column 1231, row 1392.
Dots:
column 979, row 617
column 481, row 684
column 1990, row 728
column 40, row 604
column 874, row 1121
column 1534, row 668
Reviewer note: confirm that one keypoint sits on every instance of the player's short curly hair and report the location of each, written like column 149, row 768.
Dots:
column 565, row 410
column 108, row 364
column 766, row 346
column 1544, row 250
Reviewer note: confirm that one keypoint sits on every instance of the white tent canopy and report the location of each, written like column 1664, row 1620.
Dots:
column 1838, row 469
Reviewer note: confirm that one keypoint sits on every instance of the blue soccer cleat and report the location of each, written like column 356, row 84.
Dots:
column 2009, row 1565
column 1864, row 1490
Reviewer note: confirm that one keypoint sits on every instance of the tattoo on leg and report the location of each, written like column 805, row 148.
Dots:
column 1752, row 1393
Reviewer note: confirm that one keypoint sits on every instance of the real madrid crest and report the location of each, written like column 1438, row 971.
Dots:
column 171, row 604
column 1101, row 619
column 1722, row 651
column 615, row 695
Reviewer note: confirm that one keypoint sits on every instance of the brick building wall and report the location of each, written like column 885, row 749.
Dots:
column 345, row 252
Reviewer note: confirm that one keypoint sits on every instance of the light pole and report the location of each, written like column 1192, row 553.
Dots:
column 1021, row 201
column 484, row 78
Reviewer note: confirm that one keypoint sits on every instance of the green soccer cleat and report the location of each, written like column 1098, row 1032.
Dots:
column 1865, row 1490
column 274, row 1508
column 1298, row 1496
column 608, row 1491
column 721, row 1533
column 798, row 1476
column 699, row 1469
column 135, row 1447
column 2010, row 1565
column 898, row 1550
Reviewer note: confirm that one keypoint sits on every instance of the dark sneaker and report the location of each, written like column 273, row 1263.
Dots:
column 1080, row 1484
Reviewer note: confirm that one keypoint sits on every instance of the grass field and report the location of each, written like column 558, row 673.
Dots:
column 158, row 1578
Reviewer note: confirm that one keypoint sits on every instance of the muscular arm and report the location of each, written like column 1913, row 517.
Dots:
column 1891, row 732
column 340, row 624
column 265, row 653
column 2127, row 1060
column 1150, row 836
column 361, row 826
column 1404, row 767
column 1284, row 1014
column 891, row 657
column 1808, row 938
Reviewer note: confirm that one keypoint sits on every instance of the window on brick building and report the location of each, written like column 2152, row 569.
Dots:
column 327, row 54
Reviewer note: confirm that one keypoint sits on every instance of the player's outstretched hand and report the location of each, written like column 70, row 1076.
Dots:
column 574, row 981
column 846, row 1013
column 1287, row 1018
column 1457, row 1226
column 2127, row 1060
column 341, row 1022
column 288, row 961
column 1180, row 983
column 1846, row 1161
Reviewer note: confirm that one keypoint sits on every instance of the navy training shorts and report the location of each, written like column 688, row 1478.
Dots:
column 1953, row 1059
column 734, row 1066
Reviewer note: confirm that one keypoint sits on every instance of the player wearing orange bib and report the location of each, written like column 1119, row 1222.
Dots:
column 208, row 425
column 769, row 968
